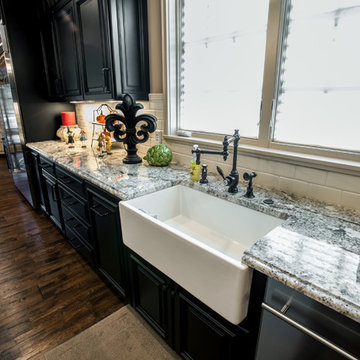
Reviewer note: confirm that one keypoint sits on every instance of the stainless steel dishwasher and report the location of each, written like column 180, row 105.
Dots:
column 295, row 327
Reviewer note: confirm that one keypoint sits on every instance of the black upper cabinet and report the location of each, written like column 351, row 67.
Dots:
column 67, row 84
column 96, row 49
column 130, row 47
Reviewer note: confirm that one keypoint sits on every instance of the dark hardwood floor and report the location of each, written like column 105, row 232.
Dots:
column 48, row 293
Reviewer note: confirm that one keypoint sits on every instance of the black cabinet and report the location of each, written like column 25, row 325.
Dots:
column 200, row 336
column 105, row 221
column 130, row 47
column 190, row 327
column 53, row 199
column 150, row 294
column 67, row 82
column 37, row 180
column 94, row 44
column 294, row 326
column 87, row 215
column 95, row 49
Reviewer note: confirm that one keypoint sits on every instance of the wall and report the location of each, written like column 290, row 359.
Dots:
column 85, row 117
column 331, row 187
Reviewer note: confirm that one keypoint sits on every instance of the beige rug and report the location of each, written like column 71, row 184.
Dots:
column 121, row 336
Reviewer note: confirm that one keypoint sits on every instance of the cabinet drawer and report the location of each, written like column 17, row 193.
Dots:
column 78, row 244
column 71, row 181
column 47, row 165
column 75, row 203
column 80, row 229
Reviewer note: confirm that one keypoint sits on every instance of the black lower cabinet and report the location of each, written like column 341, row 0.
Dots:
column 105, row 221
column 201, row 336
column 88, row 215
column 150, row 294
column 53, row 199
column 37, row 180
column 191, row 328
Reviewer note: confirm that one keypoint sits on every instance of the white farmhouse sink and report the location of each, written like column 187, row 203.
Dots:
column 197, row 240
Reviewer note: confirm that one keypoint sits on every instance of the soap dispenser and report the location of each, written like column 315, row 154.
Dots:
column 194, row 166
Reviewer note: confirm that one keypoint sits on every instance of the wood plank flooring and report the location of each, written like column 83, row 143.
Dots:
column 48, row 293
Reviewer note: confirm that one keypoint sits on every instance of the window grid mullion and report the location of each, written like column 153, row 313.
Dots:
column 270, row 79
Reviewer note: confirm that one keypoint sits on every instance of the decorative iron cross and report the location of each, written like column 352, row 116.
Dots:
column 133, row 133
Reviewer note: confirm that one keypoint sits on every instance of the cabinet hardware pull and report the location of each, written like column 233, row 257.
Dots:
column 66, row 181
column 101, row 214
column 105, row 79
column 54, row 193
column 308, row 332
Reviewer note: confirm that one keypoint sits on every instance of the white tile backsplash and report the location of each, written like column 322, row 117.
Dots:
column 311, row 175
column 293, row 186
column 350, row 200
column 324, row 193
column 343, row 182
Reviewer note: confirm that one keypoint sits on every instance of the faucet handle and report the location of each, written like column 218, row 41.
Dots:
column 249, row 177
column 249, row 190
column 221, row 173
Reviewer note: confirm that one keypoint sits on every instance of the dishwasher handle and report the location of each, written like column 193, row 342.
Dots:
column 305, row 330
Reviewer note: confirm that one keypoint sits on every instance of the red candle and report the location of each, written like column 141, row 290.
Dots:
column 68, row 118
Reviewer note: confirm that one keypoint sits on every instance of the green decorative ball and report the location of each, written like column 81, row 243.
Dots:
column 159, row 155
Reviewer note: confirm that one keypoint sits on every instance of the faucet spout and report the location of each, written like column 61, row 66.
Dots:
column 233, row 179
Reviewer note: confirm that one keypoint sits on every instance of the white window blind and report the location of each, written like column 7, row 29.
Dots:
column 222, row 60
column 319, row 94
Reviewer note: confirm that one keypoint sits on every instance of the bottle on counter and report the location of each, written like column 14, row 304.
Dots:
column 194, row 166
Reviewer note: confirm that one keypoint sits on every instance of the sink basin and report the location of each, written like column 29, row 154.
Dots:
column 197, row 240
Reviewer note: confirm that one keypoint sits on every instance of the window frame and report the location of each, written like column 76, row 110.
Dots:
column 338, row 159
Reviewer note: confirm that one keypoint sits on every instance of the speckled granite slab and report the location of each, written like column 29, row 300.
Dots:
column 315, row 251
column 109, row 173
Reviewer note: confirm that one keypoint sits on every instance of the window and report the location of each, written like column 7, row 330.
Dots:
column 319, row 88
column 222, row 61
column 284, row 72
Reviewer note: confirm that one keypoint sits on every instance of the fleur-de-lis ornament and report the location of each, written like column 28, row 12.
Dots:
column 134, row 132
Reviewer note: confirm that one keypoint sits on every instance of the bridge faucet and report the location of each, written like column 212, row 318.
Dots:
column 232, row 180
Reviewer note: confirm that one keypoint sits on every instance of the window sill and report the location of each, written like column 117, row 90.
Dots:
column 294, row 158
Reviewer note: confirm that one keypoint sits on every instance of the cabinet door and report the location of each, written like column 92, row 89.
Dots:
column 95, row 56
column 149, row 297
column 35, row 170
column 53, row 198
column 105, row 220
column 130, row 47
column 69, row 82
column 199, row 336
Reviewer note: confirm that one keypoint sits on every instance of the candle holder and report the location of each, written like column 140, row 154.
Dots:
column 133, row 133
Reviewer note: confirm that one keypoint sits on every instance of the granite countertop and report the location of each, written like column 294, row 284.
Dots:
column 316, row 250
